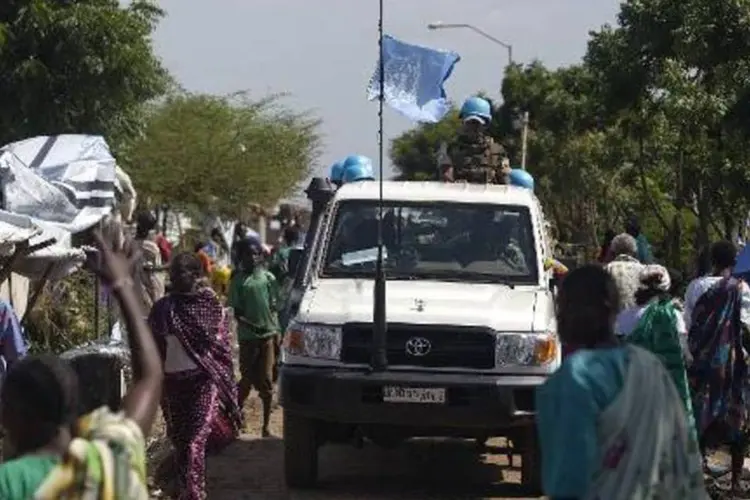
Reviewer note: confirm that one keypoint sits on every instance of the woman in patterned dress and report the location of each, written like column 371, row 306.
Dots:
column 718, row 315
column 200, row 393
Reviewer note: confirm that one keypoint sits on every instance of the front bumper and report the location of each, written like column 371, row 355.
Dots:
column 355, row 396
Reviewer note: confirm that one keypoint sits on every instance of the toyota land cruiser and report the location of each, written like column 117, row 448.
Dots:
column 470, row 322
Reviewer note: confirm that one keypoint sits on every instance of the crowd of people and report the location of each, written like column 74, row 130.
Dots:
column 178, row 310
column 54, row 452
column 649, row 384
column 650, row 381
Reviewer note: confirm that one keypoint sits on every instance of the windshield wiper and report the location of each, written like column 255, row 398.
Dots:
column 448, row 276
column 403, row 276
column 340, row 274
column 459, row 276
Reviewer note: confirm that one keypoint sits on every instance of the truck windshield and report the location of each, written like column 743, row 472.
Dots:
column 429, row 240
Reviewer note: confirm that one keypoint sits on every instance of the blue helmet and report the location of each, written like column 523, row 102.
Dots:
column 476, row 106
column 357, row 168
column 521, row 178
column 337, row 172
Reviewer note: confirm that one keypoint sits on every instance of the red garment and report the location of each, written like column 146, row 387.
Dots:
column 165, row 248
column 603, row 256
column 200, row 406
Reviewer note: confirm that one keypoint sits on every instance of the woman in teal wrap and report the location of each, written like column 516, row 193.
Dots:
column 610, row 421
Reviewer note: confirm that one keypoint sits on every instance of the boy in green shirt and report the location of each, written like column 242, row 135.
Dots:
column 253, row 295
column 280, row 262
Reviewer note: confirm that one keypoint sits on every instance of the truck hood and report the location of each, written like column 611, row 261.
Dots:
column 339, row 301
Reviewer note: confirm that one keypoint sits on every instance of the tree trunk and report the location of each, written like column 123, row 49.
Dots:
column 703, row 234
column 674, row 250
column 730, row 232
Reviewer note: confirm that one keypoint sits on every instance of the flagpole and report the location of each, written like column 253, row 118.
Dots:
column 379, row 361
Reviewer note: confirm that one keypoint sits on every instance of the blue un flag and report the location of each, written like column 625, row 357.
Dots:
column 414, row 80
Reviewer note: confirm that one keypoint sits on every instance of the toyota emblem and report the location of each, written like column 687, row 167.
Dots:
column 418, row 346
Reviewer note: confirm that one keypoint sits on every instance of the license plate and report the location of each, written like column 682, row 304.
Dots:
column 413, row 395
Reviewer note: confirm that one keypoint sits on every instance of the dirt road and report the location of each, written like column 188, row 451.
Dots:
column 253, row 468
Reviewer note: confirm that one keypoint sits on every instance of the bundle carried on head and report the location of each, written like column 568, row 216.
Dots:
column 654, row 280
column 656, row 277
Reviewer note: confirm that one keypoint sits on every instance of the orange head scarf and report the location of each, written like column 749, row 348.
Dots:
column 206, row 262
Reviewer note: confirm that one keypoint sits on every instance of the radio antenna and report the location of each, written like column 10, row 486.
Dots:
column 379, row 361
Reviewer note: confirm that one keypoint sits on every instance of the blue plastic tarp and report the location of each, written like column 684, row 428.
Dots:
column 742, row 266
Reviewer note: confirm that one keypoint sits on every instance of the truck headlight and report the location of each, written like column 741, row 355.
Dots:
column 313, row 341
column 524, row 349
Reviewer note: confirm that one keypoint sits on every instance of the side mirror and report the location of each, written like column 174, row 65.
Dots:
column 295, row 257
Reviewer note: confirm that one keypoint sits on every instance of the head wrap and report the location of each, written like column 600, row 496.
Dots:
column 656, row 277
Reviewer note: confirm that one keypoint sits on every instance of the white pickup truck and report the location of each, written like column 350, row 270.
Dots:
column 470, row 322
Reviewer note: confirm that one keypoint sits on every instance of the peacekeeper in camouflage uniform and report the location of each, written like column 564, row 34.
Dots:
column 474, row 156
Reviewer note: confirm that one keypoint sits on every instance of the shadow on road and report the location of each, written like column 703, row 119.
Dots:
column 253, row 468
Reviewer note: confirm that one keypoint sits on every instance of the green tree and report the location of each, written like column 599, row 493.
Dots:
column 672, row 76
column 221, row 153
column 83, row 66
column 75, row 66
column 414, row 154
column 569, row 149
column 654, row 123
column 566, row 149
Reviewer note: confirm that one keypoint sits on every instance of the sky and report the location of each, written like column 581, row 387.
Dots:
column 323, row 52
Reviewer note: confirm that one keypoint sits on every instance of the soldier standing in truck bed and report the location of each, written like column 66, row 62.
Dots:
column 474, row 156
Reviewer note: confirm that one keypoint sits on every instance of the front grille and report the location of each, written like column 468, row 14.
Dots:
column 450, row 346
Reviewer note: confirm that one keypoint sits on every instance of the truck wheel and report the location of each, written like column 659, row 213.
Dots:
column 300, row 451
column 531, row 463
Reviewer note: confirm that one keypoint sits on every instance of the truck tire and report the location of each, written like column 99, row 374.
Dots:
column 531, row 462
column 300, row 451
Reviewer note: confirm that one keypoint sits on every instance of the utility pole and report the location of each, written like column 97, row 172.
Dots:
column 524, row 139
